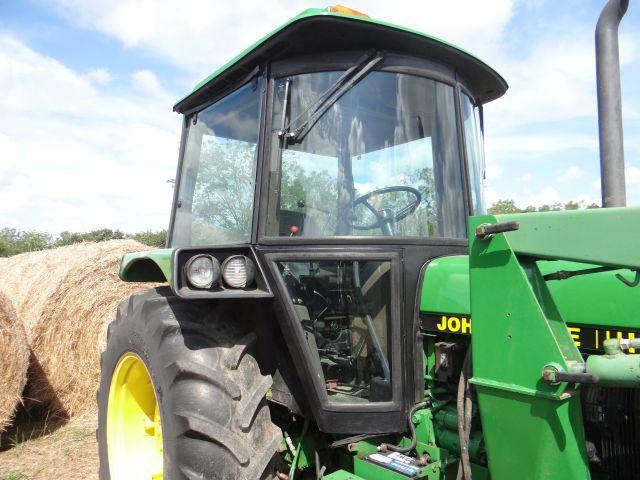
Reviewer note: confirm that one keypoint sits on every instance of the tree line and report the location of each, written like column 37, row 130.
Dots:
column 13, row 241
column 509, row 206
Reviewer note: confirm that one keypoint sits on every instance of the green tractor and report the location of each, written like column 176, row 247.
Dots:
column 339, row 307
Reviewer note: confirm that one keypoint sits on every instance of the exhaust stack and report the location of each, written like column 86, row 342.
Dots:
column 610, row 104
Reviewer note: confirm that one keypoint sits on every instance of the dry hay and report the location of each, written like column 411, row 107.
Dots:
column 14, row 355
column 71, row 331
column 30, row 278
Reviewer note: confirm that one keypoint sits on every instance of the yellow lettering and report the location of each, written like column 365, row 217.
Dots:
column 466, row 325
column 443, row 324
column 575, row 334
column 454, row 324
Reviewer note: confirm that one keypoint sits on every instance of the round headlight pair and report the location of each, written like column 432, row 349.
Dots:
column 203, row 271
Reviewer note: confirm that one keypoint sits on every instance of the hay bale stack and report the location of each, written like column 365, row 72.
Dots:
column 14, row 355
column 71, row 332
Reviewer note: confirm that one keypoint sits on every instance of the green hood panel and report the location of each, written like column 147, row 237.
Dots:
column 446, row 290
column 149, row 266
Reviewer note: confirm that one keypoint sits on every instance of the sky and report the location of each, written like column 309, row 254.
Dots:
column 88, row 138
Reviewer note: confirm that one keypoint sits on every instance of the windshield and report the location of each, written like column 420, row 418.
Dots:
column 382, row 160
column 217, row 181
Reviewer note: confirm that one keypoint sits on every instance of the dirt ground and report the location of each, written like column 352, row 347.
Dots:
column 50, row 450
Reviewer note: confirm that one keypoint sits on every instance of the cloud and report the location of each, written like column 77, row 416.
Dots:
column 491, row 196
column 545, row 196
column 146, row 82
column 99, row 76
column 494, row 171
column 571, row 173
column 202, row 35
column 585, row 199
column 77, row 156
column 539, row 143
column 552, row 79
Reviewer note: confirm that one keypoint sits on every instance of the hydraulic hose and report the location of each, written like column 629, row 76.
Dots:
column 296, row 456
column 464, row 406
column 412, row 429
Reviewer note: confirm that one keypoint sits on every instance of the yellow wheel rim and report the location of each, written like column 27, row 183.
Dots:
column 134, row 429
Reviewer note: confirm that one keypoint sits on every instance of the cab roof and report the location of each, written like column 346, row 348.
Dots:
column 331, row 29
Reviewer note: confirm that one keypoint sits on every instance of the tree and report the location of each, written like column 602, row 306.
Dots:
column 14, row 241
column 101, row 235
column 504, row 206
column 153, row 239
column 223, row 197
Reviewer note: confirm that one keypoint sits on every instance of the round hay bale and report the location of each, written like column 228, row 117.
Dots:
column 14, row 352
column 30, row 278
column 71, row 332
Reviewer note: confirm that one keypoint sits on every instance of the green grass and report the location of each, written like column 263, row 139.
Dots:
column 33, row 430
column 13, row 476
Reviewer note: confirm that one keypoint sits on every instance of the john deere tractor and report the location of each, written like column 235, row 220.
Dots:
column 337, row 304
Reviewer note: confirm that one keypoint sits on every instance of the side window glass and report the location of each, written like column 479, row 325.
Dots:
column 475, row 153
column 344, row 309
column 217, row 181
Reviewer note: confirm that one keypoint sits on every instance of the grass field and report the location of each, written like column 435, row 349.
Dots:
column 50, row 450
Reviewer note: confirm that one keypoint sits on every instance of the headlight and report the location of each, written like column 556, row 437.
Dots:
column 238, row 271
column 202, row 271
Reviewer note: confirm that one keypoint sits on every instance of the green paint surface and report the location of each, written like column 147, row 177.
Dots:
column 342, row 475
column 604, row 236
column 149, row 266
column 598, row 299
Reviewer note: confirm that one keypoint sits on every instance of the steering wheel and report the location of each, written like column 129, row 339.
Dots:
column 385, row 218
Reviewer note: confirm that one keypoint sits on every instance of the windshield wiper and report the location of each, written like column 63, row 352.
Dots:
column 330, row 96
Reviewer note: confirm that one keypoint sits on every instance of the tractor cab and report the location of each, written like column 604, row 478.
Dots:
column 340, row 154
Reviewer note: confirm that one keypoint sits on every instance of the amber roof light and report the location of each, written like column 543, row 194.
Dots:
column 347, row 10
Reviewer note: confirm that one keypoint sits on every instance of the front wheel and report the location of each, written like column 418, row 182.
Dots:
column 181, row 396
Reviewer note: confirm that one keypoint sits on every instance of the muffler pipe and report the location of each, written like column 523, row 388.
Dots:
column 610, row 104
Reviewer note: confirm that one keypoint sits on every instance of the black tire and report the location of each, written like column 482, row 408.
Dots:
column 216, row 424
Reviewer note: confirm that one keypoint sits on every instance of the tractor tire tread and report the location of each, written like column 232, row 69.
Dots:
column 208, row 382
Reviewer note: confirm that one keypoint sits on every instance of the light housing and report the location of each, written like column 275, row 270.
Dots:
column 238, row 271
column 202, row 271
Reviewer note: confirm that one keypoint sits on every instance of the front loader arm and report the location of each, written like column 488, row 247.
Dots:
column 526, row 367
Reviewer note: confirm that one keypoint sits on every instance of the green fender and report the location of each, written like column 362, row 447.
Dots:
column 149, row 266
